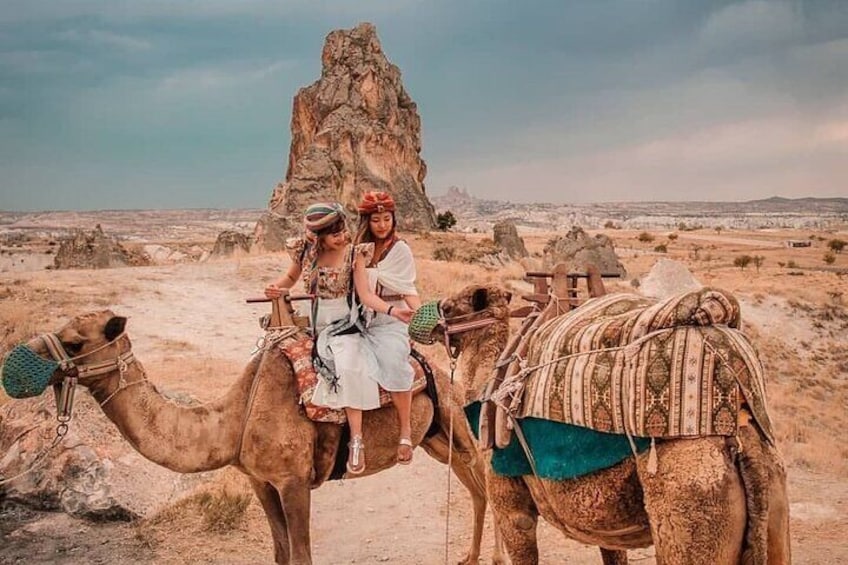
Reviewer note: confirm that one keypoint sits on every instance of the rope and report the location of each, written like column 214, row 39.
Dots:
column 61, row 431
column 450, row 455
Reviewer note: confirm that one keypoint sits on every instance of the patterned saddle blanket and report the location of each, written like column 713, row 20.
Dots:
column 299, row 353
column 622, row 363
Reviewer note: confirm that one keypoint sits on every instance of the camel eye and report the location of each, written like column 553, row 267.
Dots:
column 72, row 347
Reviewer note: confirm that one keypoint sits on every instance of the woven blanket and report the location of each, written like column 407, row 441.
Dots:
column 624, row 364
column 299, row 353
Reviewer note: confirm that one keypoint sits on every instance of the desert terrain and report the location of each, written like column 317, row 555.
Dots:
column 193, row 331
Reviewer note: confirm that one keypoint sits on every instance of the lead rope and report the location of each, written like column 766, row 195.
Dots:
column 450, row 447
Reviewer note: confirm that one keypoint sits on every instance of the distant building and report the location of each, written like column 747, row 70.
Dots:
column 799, row 243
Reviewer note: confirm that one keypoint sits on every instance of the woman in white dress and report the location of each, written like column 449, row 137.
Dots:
column 391, row 276
column 330, row 267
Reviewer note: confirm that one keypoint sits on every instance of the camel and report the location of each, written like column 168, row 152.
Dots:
column 257, row 427
column 703, row 505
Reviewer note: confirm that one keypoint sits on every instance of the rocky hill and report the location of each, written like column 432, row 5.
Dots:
column 775, row 212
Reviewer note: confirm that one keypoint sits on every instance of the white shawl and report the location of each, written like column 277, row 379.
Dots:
column 396, row 272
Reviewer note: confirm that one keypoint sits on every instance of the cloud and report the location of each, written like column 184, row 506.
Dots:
column 104, row 38
column 751, row 23
column 205, row 79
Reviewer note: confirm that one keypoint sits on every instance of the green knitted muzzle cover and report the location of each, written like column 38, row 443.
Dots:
column 25, row 373
column 424, row 321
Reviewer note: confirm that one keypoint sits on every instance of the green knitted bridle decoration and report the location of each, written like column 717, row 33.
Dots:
column 425, row 320
column 25, row 373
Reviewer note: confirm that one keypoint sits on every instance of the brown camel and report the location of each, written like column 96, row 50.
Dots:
column 259, row 428
column 701, row 506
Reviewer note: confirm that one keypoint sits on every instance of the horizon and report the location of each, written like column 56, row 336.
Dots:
column 153, row 106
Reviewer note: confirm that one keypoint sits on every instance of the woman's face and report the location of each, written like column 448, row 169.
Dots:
column 381, row 224
column 335, row 241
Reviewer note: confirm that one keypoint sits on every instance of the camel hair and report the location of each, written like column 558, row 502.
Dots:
column 701, row 506
column 259, row 428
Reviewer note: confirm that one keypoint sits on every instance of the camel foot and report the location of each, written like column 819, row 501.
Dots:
column 468, row 560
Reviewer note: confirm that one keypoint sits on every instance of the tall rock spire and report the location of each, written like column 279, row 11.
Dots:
column 353, row 130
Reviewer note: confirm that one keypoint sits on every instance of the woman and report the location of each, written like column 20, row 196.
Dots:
column 391, row 276
column 331, row 268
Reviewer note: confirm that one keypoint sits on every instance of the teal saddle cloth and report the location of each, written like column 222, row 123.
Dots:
column 561, row 451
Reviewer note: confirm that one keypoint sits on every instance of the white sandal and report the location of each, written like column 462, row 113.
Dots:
column 408, row 443
column 356, row 457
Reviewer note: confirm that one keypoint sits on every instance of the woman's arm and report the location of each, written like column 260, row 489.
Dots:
column 286, row 281
column 370, row 298
column 413, row 301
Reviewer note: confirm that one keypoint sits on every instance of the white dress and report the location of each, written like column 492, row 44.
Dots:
column 381, row 352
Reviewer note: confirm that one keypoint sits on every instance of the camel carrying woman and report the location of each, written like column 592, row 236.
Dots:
column 346, row 354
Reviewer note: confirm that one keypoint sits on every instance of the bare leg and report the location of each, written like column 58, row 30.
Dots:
column 403, row 405
column 356, row 453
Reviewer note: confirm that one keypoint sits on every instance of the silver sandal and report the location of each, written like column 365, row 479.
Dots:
column 356, row 457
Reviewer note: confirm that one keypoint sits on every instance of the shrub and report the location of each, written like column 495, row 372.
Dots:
column 661, row 248
column 672, row 237
column 445, row 220
column 829, row 258
column 758, row 261
column 444, row 254
column 742, row 261
column 645, row 237
column 791, row 264
column 836, row 245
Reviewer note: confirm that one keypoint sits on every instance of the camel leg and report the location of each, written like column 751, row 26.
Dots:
column 613, row 556
column 295, row 497
column 695, row 502
column 270, row 501
column 470, row 472
column 779, row 552
column 516, row 516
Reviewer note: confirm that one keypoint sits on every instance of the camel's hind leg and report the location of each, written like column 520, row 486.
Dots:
column 614, row 556
column 270, row 501
column 695, row 502
column 516, row 517
column 296, row 498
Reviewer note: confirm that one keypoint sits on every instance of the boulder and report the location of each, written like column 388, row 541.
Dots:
column 578, row 250
column 506, row 237
column 231, row 243
column 668, row 278
column 353, row 130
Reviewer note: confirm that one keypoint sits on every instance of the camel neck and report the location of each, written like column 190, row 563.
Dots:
column 186, row 439
column 480, row 352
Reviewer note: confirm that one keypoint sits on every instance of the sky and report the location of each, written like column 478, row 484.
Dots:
column 155, row 104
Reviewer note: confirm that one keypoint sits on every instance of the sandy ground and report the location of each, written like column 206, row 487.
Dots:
column 193, row 316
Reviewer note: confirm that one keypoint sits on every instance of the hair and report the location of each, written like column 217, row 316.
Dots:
column 363, row 230
column 334, row 228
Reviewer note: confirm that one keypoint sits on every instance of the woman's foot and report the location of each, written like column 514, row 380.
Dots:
column 356, row 456
column 405, row 451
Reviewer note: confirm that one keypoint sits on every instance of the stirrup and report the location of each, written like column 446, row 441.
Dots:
column 408, row 443
column 356, row 458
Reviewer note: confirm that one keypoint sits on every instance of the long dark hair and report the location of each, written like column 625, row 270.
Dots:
column 363, row 230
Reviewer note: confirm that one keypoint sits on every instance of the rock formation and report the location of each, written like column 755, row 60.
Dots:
column 230, row 243
column 506, row 237
column 578, row 249
column 95, row 250
column 353, row 130
column 667, row 278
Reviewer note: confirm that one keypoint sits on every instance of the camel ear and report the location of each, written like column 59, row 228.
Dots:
column 480, row 299
column 114, row 327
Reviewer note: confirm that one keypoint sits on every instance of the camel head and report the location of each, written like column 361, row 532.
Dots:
column 86, row 348
column 475, row 303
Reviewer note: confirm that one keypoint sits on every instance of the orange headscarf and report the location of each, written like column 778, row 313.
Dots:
column 376, row 201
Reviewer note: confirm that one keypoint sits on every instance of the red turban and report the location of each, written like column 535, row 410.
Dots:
column 376, row 201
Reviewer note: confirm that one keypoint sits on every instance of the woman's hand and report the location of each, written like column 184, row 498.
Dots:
column 402, row 313
column 273, row 291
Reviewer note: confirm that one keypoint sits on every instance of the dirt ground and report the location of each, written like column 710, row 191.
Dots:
column 193, row 330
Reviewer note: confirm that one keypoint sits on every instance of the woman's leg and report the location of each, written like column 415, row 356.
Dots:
column 356, row 448
column 403, row 405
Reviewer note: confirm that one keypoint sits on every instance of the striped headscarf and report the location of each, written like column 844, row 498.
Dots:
column 322, row 217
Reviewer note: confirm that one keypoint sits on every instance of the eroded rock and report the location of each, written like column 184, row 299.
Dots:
column 96, row 250
column 578, row 249
column 506, row 237
column 668, row 278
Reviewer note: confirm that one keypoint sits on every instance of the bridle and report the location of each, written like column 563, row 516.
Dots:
column 459, row 324
column 72, row 371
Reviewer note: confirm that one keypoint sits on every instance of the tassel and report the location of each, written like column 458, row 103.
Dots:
column 652, row 458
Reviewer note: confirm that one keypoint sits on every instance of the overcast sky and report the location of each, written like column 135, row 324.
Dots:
column 155, row 104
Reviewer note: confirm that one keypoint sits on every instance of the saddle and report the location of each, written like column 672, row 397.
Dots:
column 624, row 364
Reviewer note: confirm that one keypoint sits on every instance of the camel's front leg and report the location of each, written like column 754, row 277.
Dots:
column 516, row 516
column 295, row 497
column 270, row 500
